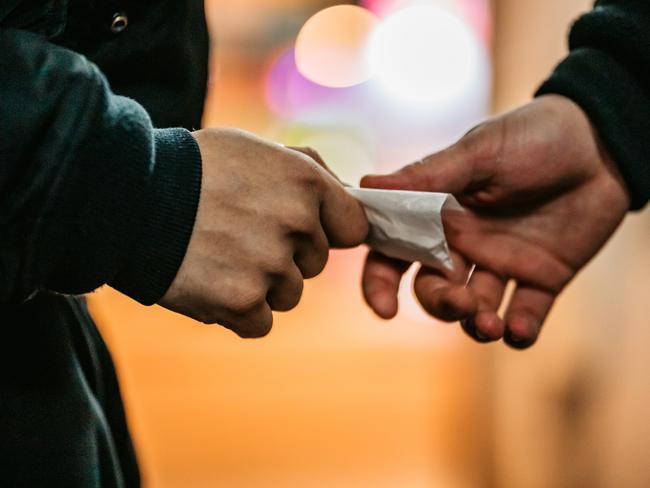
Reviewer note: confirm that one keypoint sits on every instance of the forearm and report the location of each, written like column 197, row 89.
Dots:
column 84, row 176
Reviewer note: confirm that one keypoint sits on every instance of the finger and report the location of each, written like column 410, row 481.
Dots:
column 313, row 154
column 253, row 324
column 312, row 252
column 506, row 255
column 342, row 216
column 526, row 313
column 380, row 282
column 488, row 288
column 444, row 295
column 286, row 290
column 451, row 171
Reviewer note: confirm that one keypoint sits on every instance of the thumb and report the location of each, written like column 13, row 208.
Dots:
column 342, row 216
column 449, row 171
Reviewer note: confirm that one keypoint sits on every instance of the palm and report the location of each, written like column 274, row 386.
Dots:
column 542, row 197
column 544, row 243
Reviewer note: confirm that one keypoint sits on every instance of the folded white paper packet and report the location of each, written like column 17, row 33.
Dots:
column 408, row 224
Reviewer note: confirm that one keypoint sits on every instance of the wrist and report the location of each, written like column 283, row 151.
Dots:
column 170, row 210
column 617, row 106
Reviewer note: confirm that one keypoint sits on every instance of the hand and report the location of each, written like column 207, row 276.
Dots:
column 543, row 196
column 266, row 219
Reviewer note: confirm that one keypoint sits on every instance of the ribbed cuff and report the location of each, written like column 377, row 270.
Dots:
column 169, row 213
column 618, row 107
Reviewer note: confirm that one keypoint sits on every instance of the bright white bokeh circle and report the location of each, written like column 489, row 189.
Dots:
column 424, row 54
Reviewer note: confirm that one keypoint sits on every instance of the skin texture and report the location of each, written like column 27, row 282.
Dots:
column 542, row 198
column 267, row 217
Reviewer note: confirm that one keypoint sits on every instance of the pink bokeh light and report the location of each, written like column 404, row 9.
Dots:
column 288, row 93
column 475, row 12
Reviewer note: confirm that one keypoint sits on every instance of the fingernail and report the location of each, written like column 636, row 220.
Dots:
column 516, row 339
column 470, row 328
column 468, row 324
column 480, row 335
column 366, row 179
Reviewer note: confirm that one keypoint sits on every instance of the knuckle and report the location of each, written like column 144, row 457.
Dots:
column 277, row 262
column 312, row 257
column 256, row 328
column 295, row 293
column 205, row 317
column 248, row 328
column 310, row 151
column 246, row 296
column 254, row 332
column 307, row 174
column 289, row 301
column 321, row 256
column 251, row 301
column 286, row 296
column 414, row 169
column 301, row 219
column 485, row 141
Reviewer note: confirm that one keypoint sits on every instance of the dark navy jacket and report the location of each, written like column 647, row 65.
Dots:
column 91, row 192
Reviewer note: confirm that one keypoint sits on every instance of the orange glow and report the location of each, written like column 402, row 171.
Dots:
column 330, row 46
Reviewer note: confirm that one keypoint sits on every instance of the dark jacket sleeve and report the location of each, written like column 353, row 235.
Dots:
column 607, row 73
column 90, row 192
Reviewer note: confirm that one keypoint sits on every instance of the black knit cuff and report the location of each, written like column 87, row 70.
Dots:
column 169, row 210
column 617, row 106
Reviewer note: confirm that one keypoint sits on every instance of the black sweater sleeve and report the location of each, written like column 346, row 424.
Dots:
column 607, row 73
column 90, row 192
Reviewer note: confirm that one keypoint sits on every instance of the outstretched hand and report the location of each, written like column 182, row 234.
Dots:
column 542, row 197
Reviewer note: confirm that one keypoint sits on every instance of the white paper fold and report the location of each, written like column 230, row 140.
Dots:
column 408, row 224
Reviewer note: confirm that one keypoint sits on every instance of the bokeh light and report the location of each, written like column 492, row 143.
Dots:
column 476, row 13
column 381, row 7
column 289, row 94
column 386, row 7
column 344, row 149
column 330, row 46
column 425, row 54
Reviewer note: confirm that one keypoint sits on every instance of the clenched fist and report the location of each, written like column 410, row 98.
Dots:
column 267, row 217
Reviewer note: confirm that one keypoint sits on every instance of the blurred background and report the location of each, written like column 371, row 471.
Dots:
column 335, row 397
